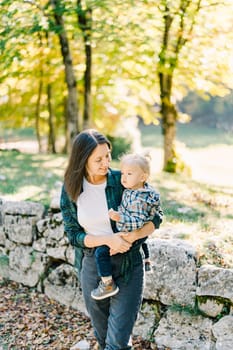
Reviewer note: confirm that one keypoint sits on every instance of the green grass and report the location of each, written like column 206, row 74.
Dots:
column 7, row 134
column 193, row 136
column 200, row 214
column 29, row 176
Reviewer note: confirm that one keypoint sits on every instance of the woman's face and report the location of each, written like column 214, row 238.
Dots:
column 98, row 162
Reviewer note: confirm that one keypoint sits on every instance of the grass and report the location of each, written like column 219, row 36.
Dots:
column 29, row 176
column 193, row 136
column 200, row 214
column 7, row 134
column 197, row 209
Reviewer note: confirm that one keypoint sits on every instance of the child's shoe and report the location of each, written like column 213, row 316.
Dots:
column 105, row 290
column 147, row 266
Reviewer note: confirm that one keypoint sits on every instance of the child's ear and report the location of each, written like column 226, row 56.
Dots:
column 144, row 177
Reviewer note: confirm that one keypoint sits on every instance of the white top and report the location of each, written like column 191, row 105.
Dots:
column 93, row 209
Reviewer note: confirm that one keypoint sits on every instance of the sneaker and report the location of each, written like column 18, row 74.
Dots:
column 147, row 266
column 104, row 290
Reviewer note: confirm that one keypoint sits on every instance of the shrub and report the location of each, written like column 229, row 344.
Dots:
column 119, row 146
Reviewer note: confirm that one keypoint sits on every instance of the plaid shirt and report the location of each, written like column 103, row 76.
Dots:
column 138, row 207
column 76, row 233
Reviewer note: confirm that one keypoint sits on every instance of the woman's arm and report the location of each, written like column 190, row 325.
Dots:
column 76, row 234
column 114, row 242
column 142, row 232
column 73, row 229
column 133, row 236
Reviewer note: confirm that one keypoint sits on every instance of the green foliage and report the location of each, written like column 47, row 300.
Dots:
column 125, row 76
column 226, row 305
column 188, row 309
column 33, row 257
column 119, row 146
column 214, row 111
column 4, row 260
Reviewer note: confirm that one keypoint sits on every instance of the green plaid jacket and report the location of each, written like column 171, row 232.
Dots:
column 76, row 233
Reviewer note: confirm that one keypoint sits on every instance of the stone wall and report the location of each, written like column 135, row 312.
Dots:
column 185, row 306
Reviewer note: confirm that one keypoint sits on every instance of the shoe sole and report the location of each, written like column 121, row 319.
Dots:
column 114, row 292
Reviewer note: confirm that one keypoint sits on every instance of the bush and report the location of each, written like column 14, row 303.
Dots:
column 119, row 146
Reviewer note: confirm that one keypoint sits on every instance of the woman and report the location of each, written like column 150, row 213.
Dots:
column 90, row 189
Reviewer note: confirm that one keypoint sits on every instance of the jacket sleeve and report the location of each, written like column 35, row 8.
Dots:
column 73, row 229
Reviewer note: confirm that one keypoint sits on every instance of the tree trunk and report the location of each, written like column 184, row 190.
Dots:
column 85, row 25
column 169, row 117
column 65, row 147
column 169, row 133
column 72, row 98
column 87, row 88
column 37, row 113
column 171, row 45
column 51, row 134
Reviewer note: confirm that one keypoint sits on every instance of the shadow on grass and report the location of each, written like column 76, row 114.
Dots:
column 178, row 210
column 186, row 201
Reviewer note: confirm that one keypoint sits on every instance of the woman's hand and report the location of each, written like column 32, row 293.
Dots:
column 114, row 242
column 142, row 232
column 119, row 242
column 118, row 245
column 129, row 237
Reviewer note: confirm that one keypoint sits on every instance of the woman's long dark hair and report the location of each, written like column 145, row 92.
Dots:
column 83, row 146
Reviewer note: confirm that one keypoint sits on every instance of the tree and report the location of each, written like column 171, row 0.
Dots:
column 73, row 125
column 85, row 25
column 144, row 62
column 173, row 40
column 186, row 45
column 181, row 22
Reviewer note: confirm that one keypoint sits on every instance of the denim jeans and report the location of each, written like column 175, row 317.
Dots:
column 103, row 261
column 112, row 318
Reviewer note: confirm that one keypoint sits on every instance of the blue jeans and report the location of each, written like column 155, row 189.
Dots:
column 112, row 318
column 103, row 261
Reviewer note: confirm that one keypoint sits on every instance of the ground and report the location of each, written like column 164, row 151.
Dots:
column 29, row 320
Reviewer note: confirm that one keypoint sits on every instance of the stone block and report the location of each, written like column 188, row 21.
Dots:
column 173, row 276
column 215, row 282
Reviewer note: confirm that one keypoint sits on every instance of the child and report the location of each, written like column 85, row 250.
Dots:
column 140, row 203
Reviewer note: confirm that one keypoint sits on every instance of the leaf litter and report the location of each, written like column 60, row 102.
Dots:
column 29, row 320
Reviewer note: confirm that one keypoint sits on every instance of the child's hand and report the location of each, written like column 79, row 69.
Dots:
column 114, row 215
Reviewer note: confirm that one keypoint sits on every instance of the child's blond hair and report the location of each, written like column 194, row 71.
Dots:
column 143, row 161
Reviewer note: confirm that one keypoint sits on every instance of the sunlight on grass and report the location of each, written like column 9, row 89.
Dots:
column 30, row 176
column 198, row 213
column 24, row 193
column 58, row 162
column 213, row 165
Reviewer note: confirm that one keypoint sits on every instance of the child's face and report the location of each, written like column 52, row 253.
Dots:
column 132, row 176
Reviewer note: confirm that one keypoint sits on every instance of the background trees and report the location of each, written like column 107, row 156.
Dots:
column 66, row 65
